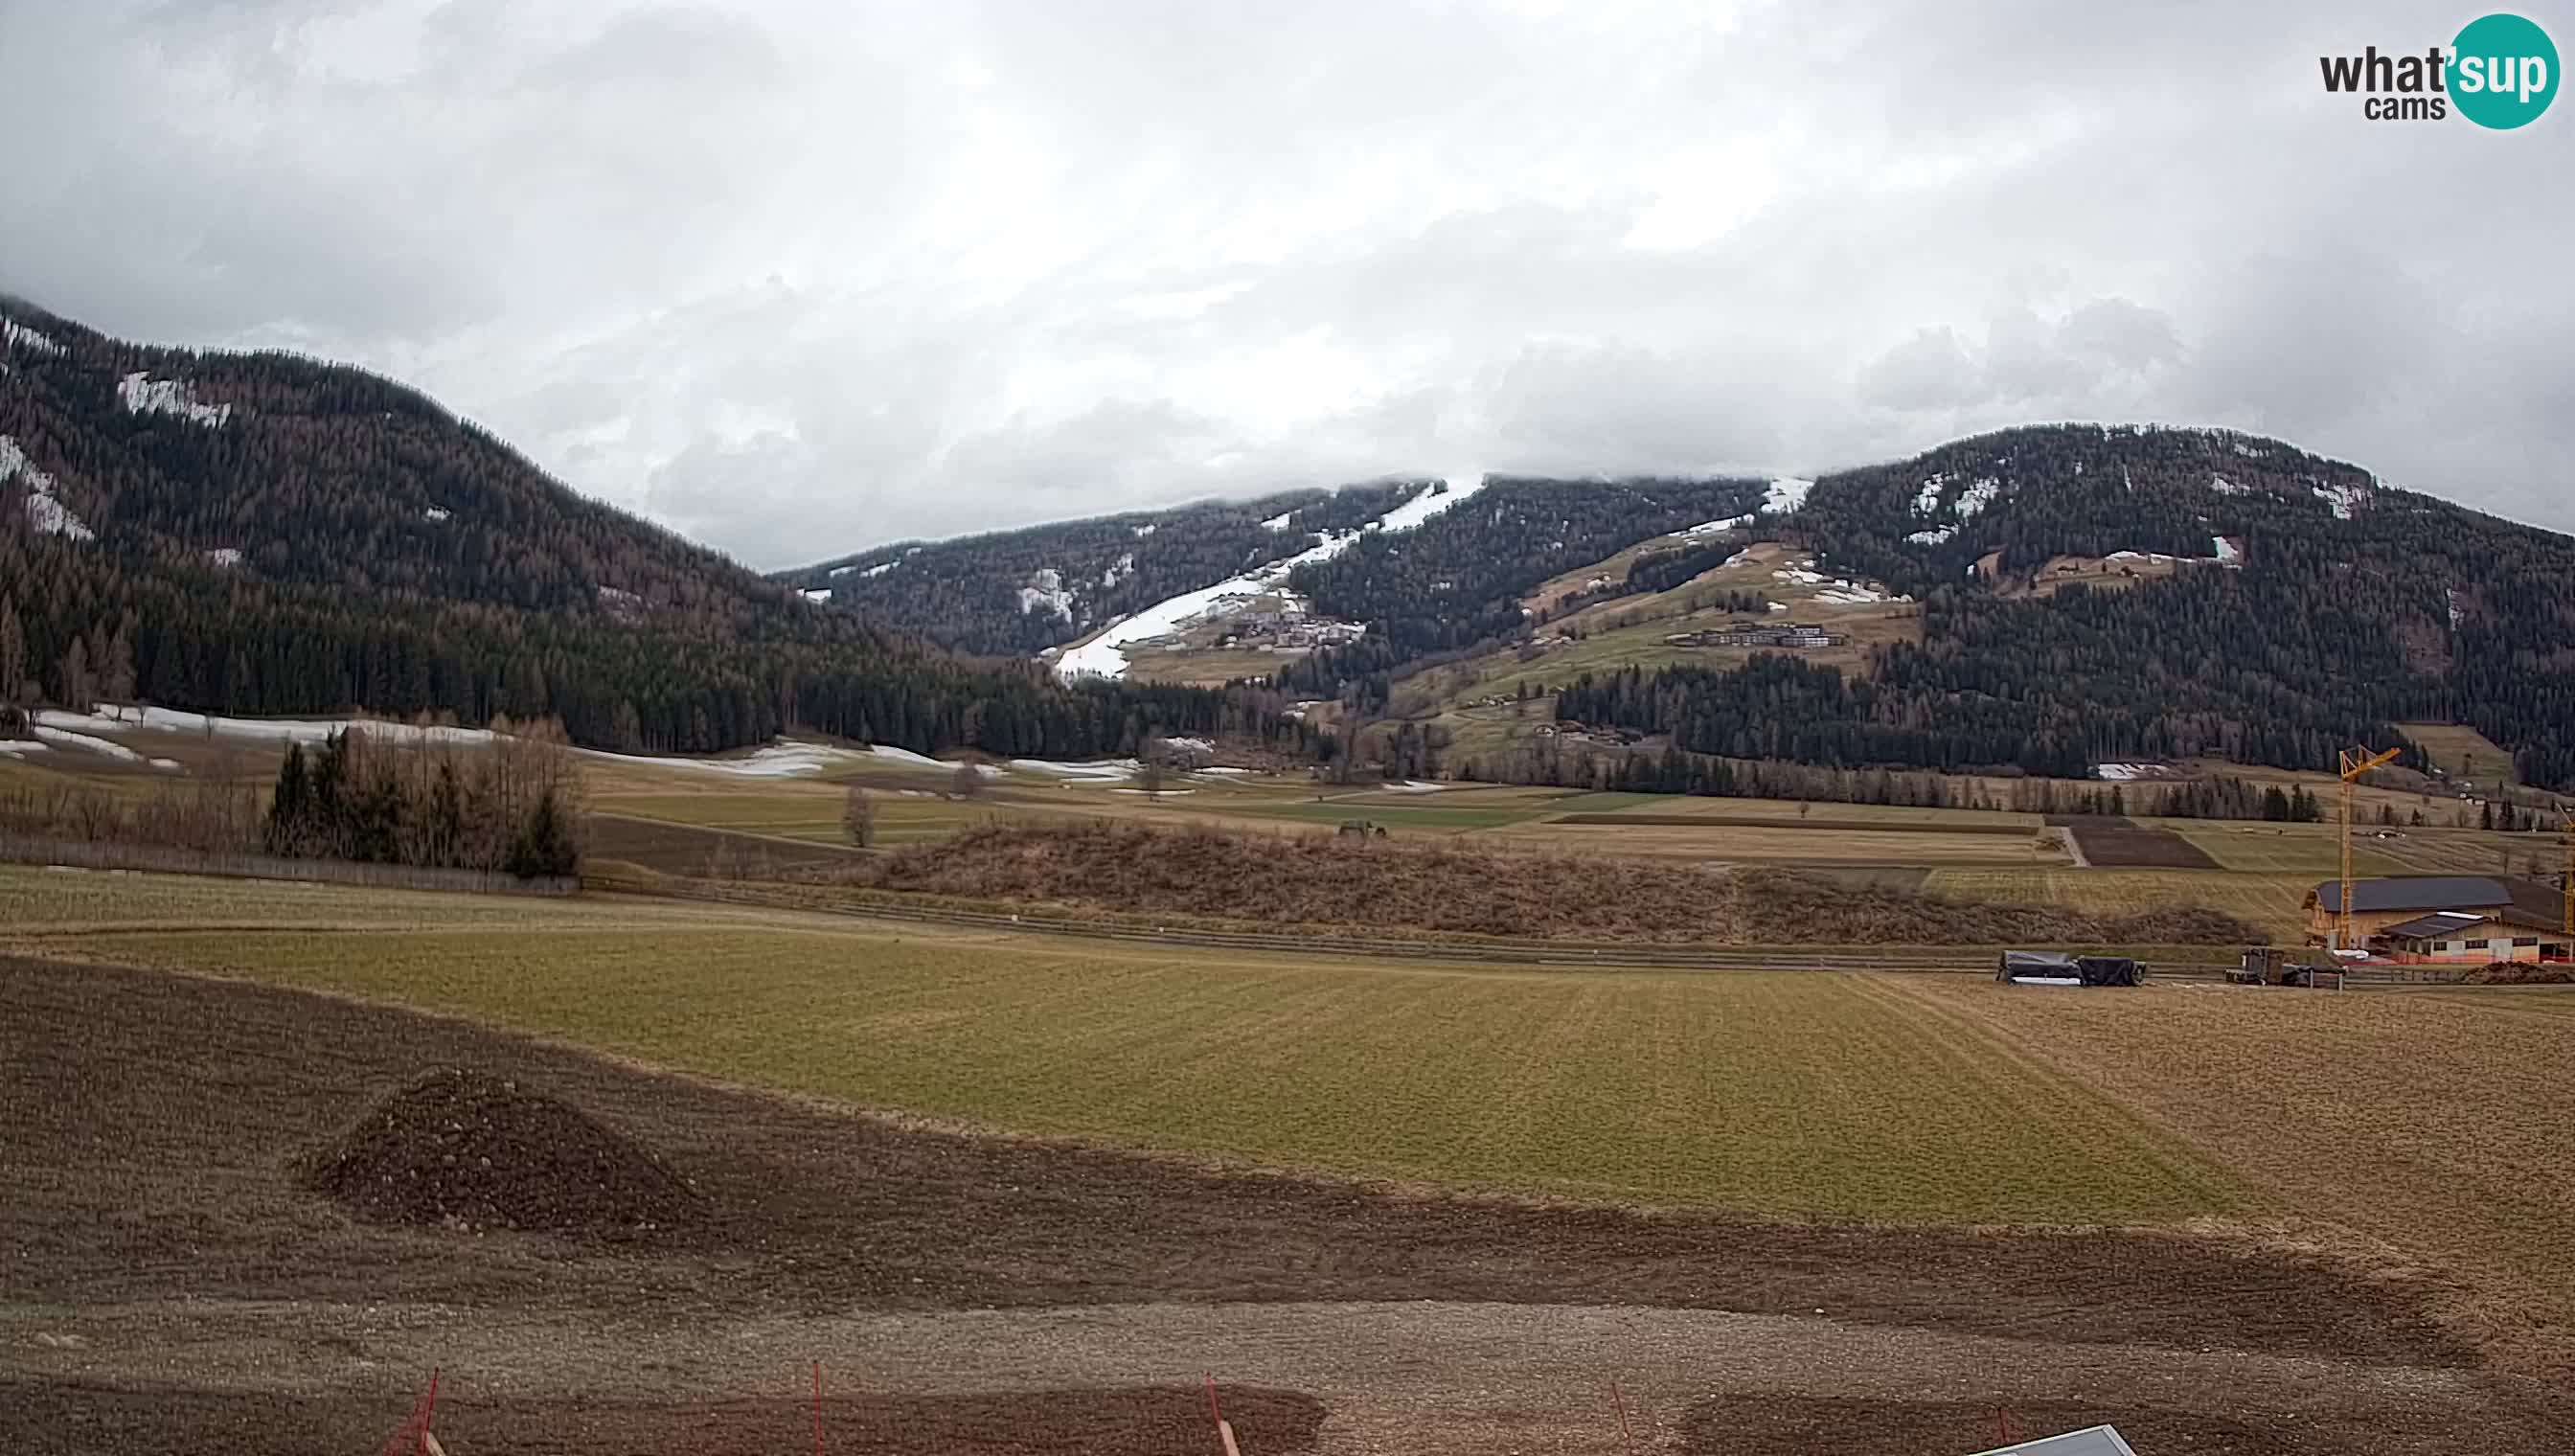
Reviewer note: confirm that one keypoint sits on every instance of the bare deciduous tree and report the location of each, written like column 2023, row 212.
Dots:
column 859, row 817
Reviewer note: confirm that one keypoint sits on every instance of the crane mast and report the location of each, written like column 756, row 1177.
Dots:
column 2355, row 763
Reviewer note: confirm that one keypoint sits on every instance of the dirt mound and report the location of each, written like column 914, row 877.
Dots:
column 465, row 1150
column 2520, row 973
column 1325, row 879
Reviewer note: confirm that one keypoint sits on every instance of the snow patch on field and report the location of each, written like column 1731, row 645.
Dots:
column 817, row 594
column 46, row 515
column 1147, row 529
column 144, row 395
column 2228, row 552
column 906, row 756
column 1278, row 521
column 770, row 761
column 1414, row 785
column 1927, row 500
column 225, row 555
column 2123, row 772
column 1977, row 496
column 48, row 730
column 1104, row 657
column 2224, row 486
column 115, row 717
column 1785, row 495
column 1119, row 571
column 22, row 745
column 1934, row 537
column 18, row 336
column 781, row 760
column 1097, row 770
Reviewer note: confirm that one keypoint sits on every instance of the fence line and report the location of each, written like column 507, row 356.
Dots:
column 17, row 848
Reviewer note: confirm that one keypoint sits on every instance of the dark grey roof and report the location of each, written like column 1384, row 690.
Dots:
column 2096, row 1441
column 2417, row 892
column 2438, row 927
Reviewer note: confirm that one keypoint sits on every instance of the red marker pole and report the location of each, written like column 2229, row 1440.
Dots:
column 428, row 1411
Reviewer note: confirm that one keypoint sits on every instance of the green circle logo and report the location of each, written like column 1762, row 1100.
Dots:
column 2503, row 71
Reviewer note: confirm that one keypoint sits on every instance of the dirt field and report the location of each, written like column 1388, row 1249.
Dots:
column 2111, row 841
column 173, row 1289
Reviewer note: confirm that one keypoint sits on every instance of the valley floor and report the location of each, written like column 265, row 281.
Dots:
column 966, row 1292
column 1388, row 1208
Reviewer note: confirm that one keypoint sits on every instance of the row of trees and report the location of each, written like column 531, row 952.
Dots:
column 392, row 796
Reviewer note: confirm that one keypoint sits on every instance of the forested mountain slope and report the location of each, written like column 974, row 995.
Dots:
column 2307, row 608
column 1022, row 591
column 266, row 534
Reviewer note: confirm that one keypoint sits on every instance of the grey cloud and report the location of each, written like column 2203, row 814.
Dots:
column 803, row 274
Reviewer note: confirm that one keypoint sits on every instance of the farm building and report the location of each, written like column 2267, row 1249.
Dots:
column 2446, row 917
column 1796, row 635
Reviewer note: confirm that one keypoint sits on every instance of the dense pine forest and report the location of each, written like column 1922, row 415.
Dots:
column 1459, row 576
column 267, row 534
column 2331, row 610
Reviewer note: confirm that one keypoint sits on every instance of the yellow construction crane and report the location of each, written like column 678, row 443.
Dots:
column 2355, row 763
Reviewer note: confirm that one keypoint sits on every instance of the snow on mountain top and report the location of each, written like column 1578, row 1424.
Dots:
column 2342, row 499
column 48, row 516
column 1711, row 528
column 143, row 394
column 14, row 335
column 1431, row 502
column 1785, row 494
column 1046, row 588
column 1103, row 656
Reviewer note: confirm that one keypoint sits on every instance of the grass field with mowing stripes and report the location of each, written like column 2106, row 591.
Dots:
column 1791, row 1094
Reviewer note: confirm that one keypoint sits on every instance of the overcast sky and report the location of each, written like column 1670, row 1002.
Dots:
column 800, row 275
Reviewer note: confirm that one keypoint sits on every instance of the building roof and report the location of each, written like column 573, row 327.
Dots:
column 2417, row 892
column 2440, row 926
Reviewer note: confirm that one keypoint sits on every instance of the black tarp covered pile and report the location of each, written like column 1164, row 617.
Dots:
column 2055, row 969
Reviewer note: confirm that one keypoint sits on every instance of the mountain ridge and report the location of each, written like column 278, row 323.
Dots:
column 268, row 533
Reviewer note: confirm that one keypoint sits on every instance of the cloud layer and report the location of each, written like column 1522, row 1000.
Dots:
column 804, row 276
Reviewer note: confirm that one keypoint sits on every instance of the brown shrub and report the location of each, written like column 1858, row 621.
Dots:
column 1329, row 879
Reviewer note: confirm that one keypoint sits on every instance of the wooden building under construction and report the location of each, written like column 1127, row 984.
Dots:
column 2435, row 918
